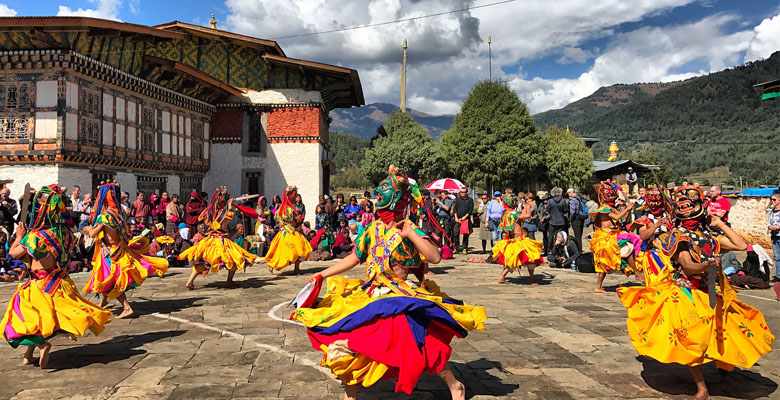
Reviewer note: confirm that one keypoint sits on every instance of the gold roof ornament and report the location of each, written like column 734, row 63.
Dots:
column 213, row 22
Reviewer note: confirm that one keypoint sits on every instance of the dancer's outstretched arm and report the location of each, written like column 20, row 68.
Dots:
column 732, row 241
column 93, row 231
column 426, row 247
column 340, row 267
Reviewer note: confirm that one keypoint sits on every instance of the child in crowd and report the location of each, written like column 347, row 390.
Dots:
column 320, row 218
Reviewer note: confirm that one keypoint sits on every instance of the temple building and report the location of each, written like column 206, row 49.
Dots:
column 173, row 107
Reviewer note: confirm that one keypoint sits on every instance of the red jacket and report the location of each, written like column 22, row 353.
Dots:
column 194, row 208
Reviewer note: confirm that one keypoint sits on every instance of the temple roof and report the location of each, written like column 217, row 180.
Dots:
column 207, row 64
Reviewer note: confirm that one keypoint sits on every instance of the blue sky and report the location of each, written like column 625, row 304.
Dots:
column 550, row 52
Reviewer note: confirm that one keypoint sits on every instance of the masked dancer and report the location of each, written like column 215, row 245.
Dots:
column 389, row 326
column 613, row 249
column 48, row 303
column 516, row 249
column 216, row 249
column 288, row 246
column 120, row 263
column 690, row 315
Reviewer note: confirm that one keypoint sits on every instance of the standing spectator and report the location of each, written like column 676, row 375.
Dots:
column 83, row 210
column 8, row 210
column 72, row 204
column 366, row 199
column 444, row 212
column 300, row 205
column 327, row 209
column 631, row 178
column 352, row 210
column 484, row 233
column 174, row 215
column 262, row 208
column 158, row 208
column 141, row 210
column 577, row 215
column 558, row 210
column 320, row 218
column 531, row 225
column 195, row 205
column 464, row 207
column 425, row 222
column 774, row 230
column 719, row 205
column 338, row 211
column 165, row 199
column 544, row 222
column 495, row 208
column 638, row 210
column 125, row 200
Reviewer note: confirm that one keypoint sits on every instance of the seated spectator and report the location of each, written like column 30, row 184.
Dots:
column 239, row 238
column 200, row 235
column 342, row 225
column 318, row 242
column 353, row 230
column 9, row 272
column 564, row 251
column 306, row 228
column 344, row 245
column 157, row 230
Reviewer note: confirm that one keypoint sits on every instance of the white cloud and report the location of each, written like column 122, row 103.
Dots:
column 106, row 9
column 133, row 6
column 574, row 55
column 448, row 53
column 766, row 39
column 649, row 54
column 5, row 11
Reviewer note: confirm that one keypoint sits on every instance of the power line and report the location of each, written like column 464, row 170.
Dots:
column 438, row 14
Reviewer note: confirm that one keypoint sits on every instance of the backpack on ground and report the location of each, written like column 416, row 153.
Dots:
column 584, row 263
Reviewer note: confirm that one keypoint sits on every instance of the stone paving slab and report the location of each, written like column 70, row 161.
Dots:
column 557, row 340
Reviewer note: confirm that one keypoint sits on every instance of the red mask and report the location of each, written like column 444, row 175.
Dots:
column 607, row 193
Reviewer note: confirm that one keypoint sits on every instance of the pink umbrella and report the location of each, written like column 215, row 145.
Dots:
column 446, row 184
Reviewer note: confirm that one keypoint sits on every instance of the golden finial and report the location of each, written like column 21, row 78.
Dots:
column 490, row 40
column 567, row 129
column 404, row 43
column 213, row 22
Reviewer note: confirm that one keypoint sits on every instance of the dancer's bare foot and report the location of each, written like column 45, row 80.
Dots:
column 271, row 270
column 28, row 356
column 190, row 285
column 127, row 312
column 705, row 395
column 503, row 281
column 103, row 301
column 600, row 290
column 458, row 391
column 45, row 348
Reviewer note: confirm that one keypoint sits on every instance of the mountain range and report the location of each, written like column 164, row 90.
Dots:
column 364, row 121
column 697, row 125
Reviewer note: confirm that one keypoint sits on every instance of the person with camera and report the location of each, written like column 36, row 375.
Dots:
column 83, row 210
column 443, row 205
column 8, row 210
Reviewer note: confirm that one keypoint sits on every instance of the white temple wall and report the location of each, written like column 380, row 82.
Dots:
column 296, row 164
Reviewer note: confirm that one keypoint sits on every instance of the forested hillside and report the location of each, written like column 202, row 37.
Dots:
column 706, row 122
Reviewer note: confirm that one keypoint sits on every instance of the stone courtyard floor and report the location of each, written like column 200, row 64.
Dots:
column 557, row 340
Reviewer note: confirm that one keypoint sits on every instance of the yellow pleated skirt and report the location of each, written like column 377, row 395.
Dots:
column 120, row 268
column 606, row 253
column 41, row 308
column 218, row 252
column 286, row 248
column 516, row 252
column 677, row 325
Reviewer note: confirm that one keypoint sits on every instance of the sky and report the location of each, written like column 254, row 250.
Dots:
column 550, row 52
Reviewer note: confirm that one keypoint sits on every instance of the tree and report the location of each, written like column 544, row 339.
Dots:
column 346, row 150
column 406, row 145
column 493, row 138
column 568, row 161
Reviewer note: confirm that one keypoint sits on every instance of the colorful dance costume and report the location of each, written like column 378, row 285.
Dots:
column 513, row 252
column 289, row 245
column 651, row 259
column 216, row 249
column 606, row 244
column 124, row 266
column 693, row 319
column 384, row 327
column 49, row 303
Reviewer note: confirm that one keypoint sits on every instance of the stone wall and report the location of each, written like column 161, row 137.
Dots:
column 748, row 218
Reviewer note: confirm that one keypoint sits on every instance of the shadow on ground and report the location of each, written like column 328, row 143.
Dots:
column 675, row 379
column 542, row 278
column 115, row 349
column 144, row 306
column 475, row 375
